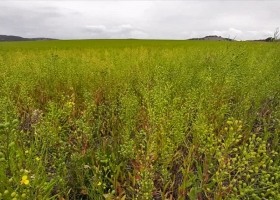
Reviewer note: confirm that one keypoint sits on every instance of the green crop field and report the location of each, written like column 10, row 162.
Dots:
column 139, row 119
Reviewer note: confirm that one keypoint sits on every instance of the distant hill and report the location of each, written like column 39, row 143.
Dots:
column 269, row 39
column 10, row 38
column 219, row 38
column 212, row 38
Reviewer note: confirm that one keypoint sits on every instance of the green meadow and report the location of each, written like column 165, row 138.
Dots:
column 139, row 119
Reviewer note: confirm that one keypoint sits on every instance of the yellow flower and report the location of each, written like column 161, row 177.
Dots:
column 70, row 104
column 26, row 151
column 99, row 183
column 24, row 180
column 37, row 158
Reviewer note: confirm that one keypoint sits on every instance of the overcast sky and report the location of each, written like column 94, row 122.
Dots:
column 139, row 19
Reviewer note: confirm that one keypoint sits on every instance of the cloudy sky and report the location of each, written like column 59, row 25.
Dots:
column 139, row 19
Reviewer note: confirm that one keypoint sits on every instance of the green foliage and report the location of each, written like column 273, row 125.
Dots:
column 132, row 119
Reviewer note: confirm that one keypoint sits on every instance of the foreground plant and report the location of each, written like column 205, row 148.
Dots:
column 182, row 120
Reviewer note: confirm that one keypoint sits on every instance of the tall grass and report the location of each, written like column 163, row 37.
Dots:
column 139, row 120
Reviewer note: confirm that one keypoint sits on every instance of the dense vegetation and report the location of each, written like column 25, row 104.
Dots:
column 130, row 119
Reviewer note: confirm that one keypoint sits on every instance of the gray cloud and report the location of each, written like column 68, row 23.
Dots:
column 121, row 31
column 226, row 18
column 139, row 19
column 30, row 22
